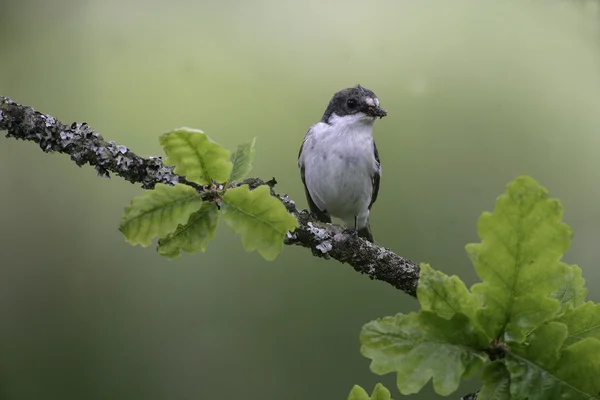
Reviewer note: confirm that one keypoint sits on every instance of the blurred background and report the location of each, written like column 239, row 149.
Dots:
column 477, row 92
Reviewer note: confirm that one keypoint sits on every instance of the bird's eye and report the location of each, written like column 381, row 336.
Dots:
column 352, row 103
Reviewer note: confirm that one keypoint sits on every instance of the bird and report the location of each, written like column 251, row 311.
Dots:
column 339, row 162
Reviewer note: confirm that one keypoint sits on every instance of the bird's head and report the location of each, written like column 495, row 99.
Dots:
column 357, row 103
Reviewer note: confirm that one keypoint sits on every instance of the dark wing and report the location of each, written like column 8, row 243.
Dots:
column 322, row 216
column 376, row 177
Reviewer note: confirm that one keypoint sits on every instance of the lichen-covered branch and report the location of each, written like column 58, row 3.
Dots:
column 330, row 241
column 85, row 146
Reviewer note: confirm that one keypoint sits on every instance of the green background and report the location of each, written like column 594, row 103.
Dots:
column 477, row 92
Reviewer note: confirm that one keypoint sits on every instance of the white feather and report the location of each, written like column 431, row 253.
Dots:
column 339, row 164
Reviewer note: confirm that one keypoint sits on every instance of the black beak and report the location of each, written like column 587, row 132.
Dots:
column 380, row 112
column 376, row 112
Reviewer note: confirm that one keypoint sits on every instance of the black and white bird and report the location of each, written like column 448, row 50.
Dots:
column 339, row 162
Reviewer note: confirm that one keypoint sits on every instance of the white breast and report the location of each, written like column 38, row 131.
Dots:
column 339, row 163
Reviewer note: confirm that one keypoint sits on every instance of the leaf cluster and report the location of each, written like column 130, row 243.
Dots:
column 185, row 218
column 526, row 327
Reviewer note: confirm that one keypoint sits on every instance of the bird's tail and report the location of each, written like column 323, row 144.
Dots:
column 365, row 232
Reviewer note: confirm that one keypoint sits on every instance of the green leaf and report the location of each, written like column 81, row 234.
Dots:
column 542, row 349
column 196, row 156
column 358, row 393
column 379, row 393
column 445, row 295
column 260, row 219
column 578, row 370
column 582, row 322
column 518, row 260
column 423, row 346
column 194, row 235
column 496, row 382
column 242, row 160
column 539, row 370
column 572, row 292
column 158, row 212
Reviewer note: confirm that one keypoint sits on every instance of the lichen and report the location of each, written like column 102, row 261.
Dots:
column 102, row 172
column 49, row 120
column 371, row 269
column 318, row 233
column 325, row 247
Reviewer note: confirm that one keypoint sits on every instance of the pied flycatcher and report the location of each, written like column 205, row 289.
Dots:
column 339, row 163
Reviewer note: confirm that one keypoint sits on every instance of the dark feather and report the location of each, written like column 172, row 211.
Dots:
column 376, row 177
column 366, row 233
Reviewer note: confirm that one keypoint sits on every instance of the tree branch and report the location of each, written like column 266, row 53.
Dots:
column 85, row 146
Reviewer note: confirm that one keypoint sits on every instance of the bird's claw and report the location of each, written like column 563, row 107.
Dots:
column 353, row 232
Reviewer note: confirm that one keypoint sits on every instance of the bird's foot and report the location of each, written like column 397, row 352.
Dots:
column 353, row 232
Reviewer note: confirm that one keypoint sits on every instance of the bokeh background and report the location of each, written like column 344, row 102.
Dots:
column 478, row 92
